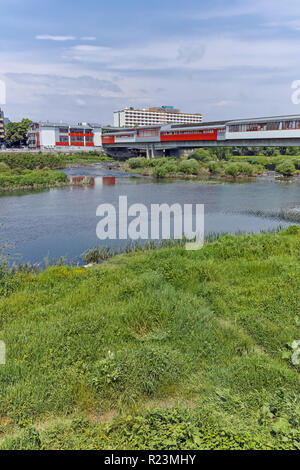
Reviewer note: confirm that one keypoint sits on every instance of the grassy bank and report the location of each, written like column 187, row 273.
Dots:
column 27, row 179
column 166, row 349
column 27, row 171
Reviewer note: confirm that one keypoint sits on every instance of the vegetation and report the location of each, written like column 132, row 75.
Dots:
column 286, row 168
column 26, row 170
column 222, row 162
column 161, row 349
column 16, row 133
column 192, row 167
column 30, row 178
column 34, row 161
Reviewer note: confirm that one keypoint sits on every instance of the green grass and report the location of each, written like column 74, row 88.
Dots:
column 166, row 349
column 26, row 171
column 15, row 179
column 38, row 161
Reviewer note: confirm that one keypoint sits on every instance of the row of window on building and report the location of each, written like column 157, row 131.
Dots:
column 65, row 139
column 65, row 130
column 265, row 126
column 193, row 131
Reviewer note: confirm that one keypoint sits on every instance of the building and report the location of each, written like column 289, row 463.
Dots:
column 60, row 136
column 2, row 126
column 129, row 117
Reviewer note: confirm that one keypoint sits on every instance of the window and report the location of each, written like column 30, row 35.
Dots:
column 289, row 125
column 147, row 132
column 77, row 139
column 77, row 131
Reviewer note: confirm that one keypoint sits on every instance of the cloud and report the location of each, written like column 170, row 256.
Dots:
column 80, row 102
column 211, row 53
column 190, row 53
column 223, row 103
column 45, row 84
column 223, row 12
column 48, row 37
column 88, row 38
column 291, row 24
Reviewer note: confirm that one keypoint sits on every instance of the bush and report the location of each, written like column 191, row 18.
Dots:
column 189, row 167
column 215, row 167
column 138, row 162
column 232, row 170
column 160, row 171
column 221, row 153
column 286, row 168
column 201, row 155
column 245, row 169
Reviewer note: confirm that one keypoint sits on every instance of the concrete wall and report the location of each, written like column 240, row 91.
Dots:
column 47, row 137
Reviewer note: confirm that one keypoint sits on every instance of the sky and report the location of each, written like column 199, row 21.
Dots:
column 71, row 60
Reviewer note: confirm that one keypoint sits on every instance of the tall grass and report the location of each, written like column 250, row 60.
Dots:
column 203, row 334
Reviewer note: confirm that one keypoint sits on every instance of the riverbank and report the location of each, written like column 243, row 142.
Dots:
column 167, row 349
column 38, row 171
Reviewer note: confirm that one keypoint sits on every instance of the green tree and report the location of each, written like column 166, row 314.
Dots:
column 16, row 133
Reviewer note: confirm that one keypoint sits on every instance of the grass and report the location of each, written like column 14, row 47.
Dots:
column 162, row 349
column 35, row 161
column 13, row 179
column 27, row 171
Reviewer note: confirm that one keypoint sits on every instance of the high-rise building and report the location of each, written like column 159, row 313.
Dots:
column 129, row 117
column 2, row 126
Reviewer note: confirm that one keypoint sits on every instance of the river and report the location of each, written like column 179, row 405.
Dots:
column 62, row 221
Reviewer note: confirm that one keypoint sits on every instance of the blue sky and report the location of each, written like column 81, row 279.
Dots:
column 80, row 61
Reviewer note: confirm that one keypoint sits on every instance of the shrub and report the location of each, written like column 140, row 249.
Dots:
column 189, row 167
column 160, row 171
column 215, row 167
column 286, row 168
column 245, row 169
column 201, row 155
column 138, row 162
column 232, row 170
column 221, row 153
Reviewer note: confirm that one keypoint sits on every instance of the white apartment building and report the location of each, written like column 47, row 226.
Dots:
column 129, row 117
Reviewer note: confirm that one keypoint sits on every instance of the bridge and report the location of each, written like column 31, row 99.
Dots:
column 168, row 140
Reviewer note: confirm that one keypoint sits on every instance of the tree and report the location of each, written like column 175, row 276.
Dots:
column 16, row 133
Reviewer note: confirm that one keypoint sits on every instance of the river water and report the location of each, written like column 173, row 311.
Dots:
column 62, row 221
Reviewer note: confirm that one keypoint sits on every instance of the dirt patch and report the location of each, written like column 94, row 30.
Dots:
column 106, row 417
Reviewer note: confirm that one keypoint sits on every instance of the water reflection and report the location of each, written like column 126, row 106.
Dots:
column 62, row 221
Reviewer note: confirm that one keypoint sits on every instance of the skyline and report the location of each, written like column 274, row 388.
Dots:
column 226, row 61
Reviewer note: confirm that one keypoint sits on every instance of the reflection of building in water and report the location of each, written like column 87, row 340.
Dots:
column 80, row 180
column 109, row 180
